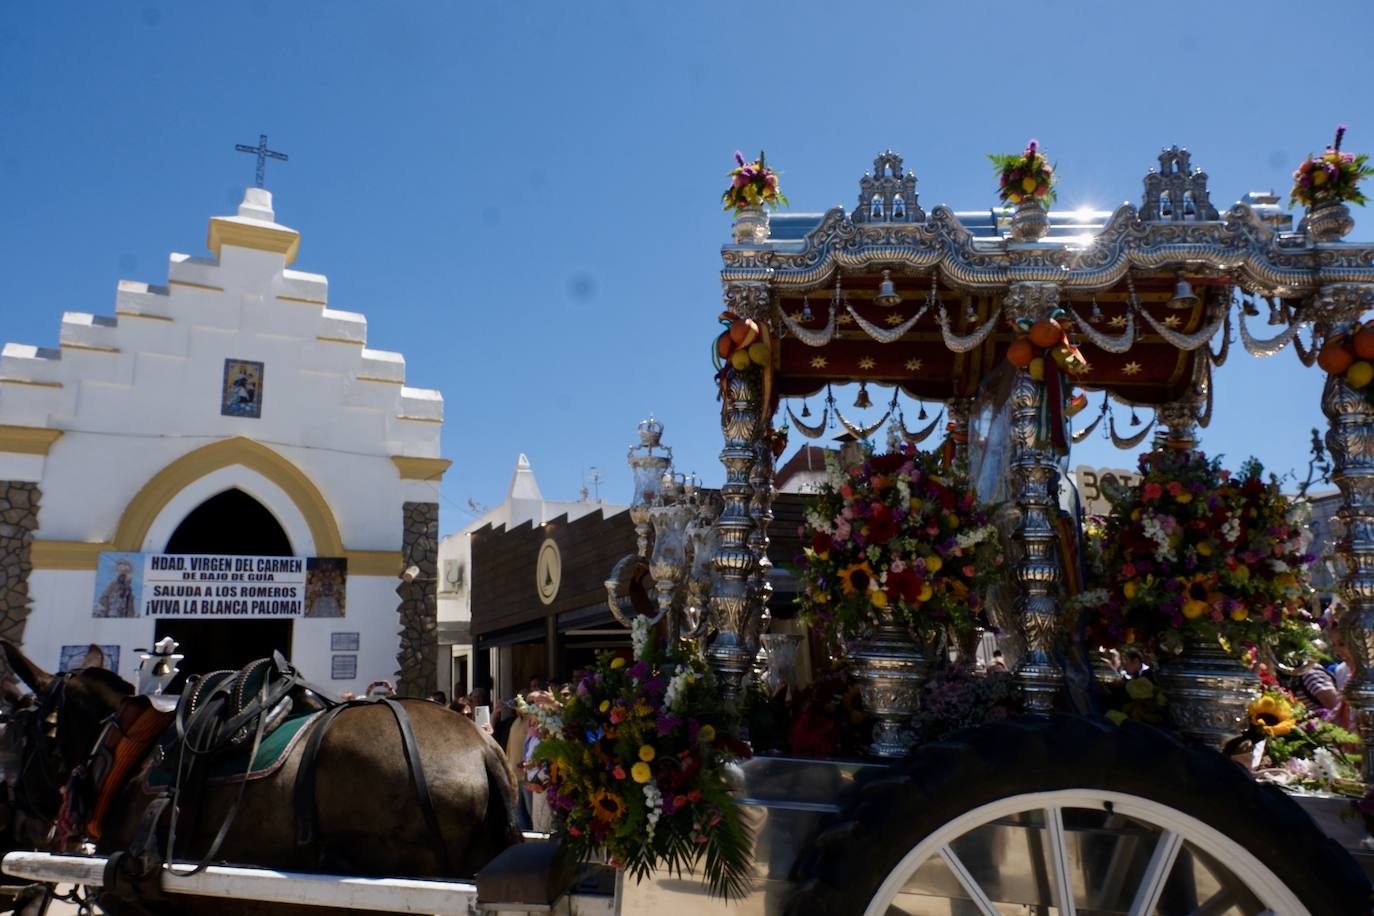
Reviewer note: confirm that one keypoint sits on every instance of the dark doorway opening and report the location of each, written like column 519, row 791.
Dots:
column 231, row 523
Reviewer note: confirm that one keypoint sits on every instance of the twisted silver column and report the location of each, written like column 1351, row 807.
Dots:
column 735, row 604
column 1350, row 440
column 1035, row 481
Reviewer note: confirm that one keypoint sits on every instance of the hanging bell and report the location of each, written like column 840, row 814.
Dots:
column 863, row 400
column 806, row 410
column 1275, row 313
column 1135, row 420
column 1184, row 297
column 887, row 292
column 1248, row 306
column 922, row 415
column 1096, row 315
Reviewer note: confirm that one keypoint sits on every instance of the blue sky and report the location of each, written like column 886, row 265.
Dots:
column 523, row 196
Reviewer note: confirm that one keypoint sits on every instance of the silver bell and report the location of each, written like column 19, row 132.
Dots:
column 1184, row 297
column 887, row 292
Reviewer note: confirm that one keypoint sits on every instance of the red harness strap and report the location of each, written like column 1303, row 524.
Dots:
column 123, row 745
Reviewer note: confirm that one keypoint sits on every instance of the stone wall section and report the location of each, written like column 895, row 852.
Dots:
column 18, row 522
column 419, row 611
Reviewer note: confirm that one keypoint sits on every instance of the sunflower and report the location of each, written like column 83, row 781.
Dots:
column 856, row 578
column 1274, row 715
column 1197, row 593
column 607, row 806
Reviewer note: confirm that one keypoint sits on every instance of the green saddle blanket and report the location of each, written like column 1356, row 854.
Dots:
column 231, row 767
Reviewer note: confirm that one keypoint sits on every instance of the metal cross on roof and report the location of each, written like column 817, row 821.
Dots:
column 263, row 154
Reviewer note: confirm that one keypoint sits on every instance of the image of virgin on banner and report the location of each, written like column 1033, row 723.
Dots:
column 118, row 585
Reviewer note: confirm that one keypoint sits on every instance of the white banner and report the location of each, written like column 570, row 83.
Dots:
column 196, row 585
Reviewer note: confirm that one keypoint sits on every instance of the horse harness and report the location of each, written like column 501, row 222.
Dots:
column 217, row 713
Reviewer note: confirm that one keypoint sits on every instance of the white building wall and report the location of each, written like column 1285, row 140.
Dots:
column 134, row 392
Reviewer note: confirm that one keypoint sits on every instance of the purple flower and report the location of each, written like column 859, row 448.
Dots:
column 666, row 722
column 639, row 670
column 739, row 157
column 1340, row 133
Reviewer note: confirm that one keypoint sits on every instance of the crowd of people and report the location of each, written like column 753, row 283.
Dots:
column 511, row 723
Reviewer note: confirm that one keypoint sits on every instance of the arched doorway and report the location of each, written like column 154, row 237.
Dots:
column 229, row 523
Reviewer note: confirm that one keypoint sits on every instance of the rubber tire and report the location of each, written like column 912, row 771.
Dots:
column 839, row 874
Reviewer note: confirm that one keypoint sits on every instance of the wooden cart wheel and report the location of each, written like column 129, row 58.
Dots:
column 1070, row 815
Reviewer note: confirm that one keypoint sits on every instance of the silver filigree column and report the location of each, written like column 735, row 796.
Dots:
column 1350, row 440
column 735, row 603
column 1035, row 483
column 1178, row 421
column 958, row 410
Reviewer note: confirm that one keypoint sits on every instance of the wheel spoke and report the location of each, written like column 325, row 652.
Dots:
column 1059, row 861
column 966, row 881
column 1156, row 873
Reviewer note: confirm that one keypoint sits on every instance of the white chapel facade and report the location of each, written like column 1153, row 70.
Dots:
column 228, row 413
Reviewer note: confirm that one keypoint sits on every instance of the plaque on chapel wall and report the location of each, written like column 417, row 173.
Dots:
column 241, row 395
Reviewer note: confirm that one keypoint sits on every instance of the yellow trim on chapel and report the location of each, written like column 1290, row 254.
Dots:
column 27, row 440
column 421, row 468
column 144, row 508
column 149, row 502
column 228, row 231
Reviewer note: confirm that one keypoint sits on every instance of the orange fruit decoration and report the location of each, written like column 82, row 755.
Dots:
column 1334, row 357
column 738, row 331
column 1020, row 353
column 1046, row 332
column 1364, row 342
column 724, row 345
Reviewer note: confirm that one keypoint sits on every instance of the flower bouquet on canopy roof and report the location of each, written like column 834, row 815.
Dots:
column 636, row 762
column 752, row 184
column 1191, row 551
column 1027, row 175
column 1332, row 177
column 897, row 535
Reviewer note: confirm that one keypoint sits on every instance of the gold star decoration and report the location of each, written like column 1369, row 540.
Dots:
column 894, row 319
column 867, row 362
column 913, row 365
column 1119, row 321
column 818, row 362
column 845, row 318
column 1173, row 321
column 1087, row 367
column 798, row 317
column 1131, row 368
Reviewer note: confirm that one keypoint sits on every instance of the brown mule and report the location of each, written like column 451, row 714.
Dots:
column 370, row 822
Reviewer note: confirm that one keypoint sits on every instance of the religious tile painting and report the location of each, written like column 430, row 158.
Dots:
column 118, row 584
column 89, row 655
column 242, row 392
column 326, row 585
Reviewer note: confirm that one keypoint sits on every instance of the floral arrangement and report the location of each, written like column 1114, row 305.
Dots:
column 1190, row 549
column 1027, row 175
column 1139, row 699
column 1301, row 746
column 954, row 697
column 636, row 763
column 827, row 719
column 1332, row 177
column 896, row 535
column 752, row 184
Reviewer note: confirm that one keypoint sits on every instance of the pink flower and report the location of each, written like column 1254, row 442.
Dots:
column 1153, row 491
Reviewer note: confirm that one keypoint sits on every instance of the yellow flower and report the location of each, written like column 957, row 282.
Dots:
column 1239, row 613
column 933, row 564
column 914, row 505
column 617, row 664
column 646, row 752
column 1014, row 198
column 1130, row 589
column 607, row 806
column 1205, row 549
column 640, row 772
column 1274, row 715
column 605, row 705
column 1193, row 609
column 641, row 710
column 707, row 733
column 855, row 578
column 878, row 598
column 925, row 593
column 1028, row 184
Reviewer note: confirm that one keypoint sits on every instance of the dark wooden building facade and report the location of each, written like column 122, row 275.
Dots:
column 548, row 623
